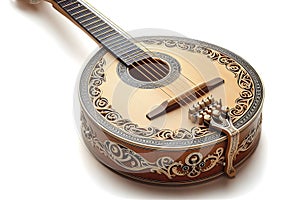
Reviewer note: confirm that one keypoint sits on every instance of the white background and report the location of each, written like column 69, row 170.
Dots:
column 41, row 155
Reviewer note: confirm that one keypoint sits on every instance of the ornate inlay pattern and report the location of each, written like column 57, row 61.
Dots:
column 244, row 80
column 162, row 134
column 246, row 144
column 192, row 166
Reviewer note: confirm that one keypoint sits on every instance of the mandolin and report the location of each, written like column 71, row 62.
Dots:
column 164, row 109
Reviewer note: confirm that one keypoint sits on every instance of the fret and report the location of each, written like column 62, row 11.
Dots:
column 120, row 38
column 136, row 57
column 111, row 37
column 123, row 44
column 79, row 13
column 61, row 1
column 73, row 8
column 94, row 17
column 106, row 35
column 84, row 16
column 105, row 26
column 67, row 4
column 131, row 52
column 97, row 26
column 97, row 22
column 127, row 50
column 132, row 56
column 117, row 40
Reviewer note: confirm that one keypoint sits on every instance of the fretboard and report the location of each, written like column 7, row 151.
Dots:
column 102, row 31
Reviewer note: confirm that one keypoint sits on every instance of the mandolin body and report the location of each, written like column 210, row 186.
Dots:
column 171, row 148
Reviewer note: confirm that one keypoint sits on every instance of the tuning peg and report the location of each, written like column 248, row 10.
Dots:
column 216, row 113
column 206, row 101
column 197, row 106
column 216, row 116
column 192, row 110
column 207, row 119
column 224, row 111
column 200, row 119
column 201, row 104
column 218, row 106
column 208, row 110
column 211, row 99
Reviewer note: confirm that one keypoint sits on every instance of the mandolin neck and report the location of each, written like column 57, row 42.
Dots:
column 101, row 30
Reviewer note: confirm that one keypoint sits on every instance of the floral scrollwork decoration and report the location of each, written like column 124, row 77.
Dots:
column 192, row 166
column 243, row 78
column 101, row 104
column 247, row 143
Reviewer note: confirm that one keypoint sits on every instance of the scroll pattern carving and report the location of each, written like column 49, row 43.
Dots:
column 192, row 166
column 102, row 105
column 244, row 80
column 246, row 144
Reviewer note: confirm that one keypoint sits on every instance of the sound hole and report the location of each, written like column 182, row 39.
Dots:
column 149, row 70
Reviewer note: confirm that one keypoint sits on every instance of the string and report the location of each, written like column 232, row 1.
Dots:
column 122, row 32
column 154, row 64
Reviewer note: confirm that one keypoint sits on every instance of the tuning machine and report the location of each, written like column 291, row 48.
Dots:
column 207, row 109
